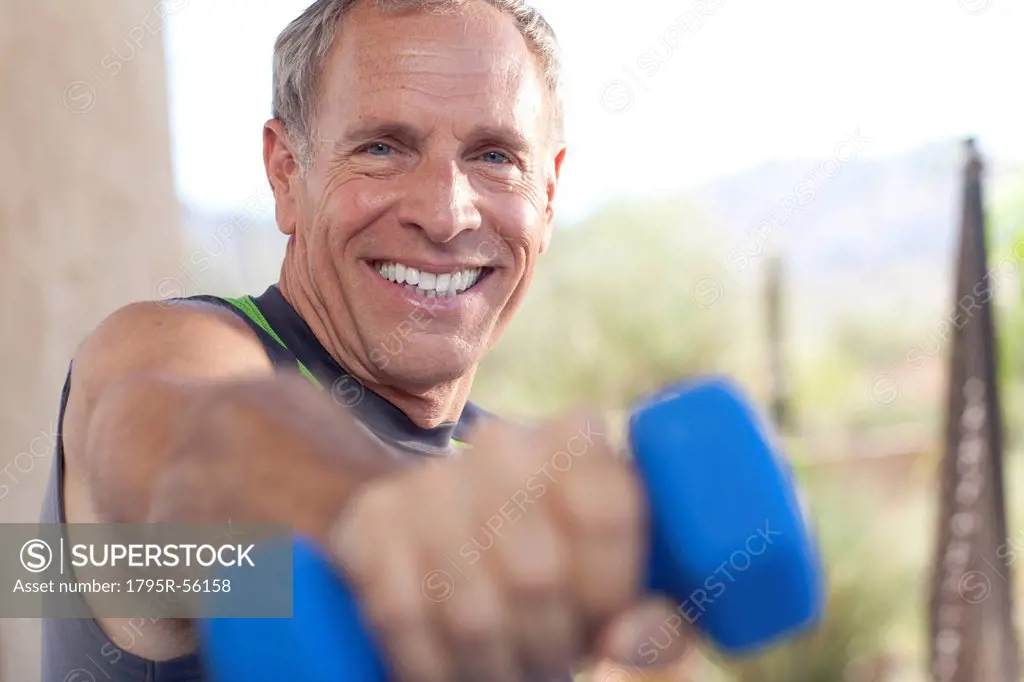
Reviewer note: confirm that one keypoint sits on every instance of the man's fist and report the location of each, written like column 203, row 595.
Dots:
column 514, row 561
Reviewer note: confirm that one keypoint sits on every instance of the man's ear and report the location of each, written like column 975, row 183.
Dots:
column 549, row 212
column 282, row 168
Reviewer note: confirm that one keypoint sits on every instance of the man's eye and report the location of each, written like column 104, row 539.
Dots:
column 379, row 149
column 496, row 157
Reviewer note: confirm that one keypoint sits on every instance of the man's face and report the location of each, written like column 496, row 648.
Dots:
column 429, row 197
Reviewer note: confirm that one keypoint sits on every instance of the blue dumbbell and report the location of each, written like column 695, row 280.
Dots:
column 728, row 539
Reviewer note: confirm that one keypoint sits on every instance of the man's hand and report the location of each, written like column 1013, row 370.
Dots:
column 512, row 562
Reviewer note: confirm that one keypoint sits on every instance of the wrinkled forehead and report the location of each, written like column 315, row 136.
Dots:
column 472, row 67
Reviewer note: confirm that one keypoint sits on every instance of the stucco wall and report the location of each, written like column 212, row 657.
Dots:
column 88, row 218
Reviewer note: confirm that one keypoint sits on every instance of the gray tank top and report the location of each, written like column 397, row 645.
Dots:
column 77, row 650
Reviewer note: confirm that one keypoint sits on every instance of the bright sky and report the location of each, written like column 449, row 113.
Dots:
column 662, row 94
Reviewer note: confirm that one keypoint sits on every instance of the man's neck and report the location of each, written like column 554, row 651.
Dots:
column 427, row 407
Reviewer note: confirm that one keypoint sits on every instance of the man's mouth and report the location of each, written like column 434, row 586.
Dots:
column 430, row 284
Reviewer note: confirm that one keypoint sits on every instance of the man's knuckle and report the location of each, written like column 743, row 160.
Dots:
column 478, row 621
column 540, row 576
column 537, row 583
column 607, row 502
column 477, row 626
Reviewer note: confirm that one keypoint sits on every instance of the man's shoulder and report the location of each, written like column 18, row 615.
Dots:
column 173, row 319
column 172, row 332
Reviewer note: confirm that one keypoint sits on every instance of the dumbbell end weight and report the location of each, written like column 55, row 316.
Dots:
column 729, row 540
column 326, row 639
column 728, row 543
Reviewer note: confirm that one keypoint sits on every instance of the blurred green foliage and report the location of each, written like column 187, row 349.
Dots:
column 1007, row 229
column 874, row 589
column 611, row 315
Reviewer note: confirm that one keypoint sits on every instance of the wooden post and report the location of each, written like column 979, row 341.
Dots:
column 972, row 632
column 774, row 304
column 88, row 218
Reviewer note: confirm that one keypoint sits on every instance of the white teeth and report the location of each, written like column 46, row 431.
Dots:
column 429, row 284
column 443, row 282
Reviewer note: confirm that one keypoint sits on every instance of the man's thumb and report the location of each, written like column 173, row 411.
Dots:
column 650, row 634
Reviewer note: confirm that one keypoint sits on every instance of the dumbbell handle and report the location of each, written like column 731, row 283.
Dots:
column 728, row 542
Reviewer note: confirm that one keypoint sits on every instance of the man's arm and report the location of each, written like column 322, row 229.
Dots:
column 176, row 414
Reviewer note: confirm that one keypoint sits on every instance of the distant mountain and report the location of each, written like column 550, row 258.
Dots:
column 874, row 213
column 878, row 235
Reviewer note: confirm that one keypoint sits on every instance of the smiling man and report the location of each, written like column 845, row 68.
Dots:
column 414, row 156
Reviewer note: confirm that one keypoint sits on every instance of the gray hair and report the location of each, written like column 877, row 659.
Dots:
column 303, row 47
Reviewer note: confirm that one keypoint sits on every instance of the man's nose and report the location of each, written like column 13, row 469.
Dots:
column 440, row 200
